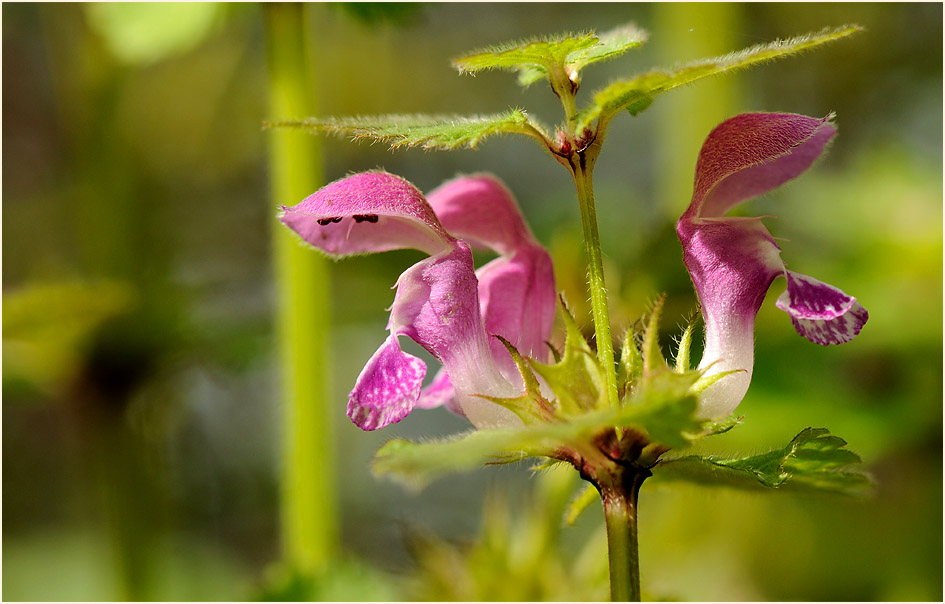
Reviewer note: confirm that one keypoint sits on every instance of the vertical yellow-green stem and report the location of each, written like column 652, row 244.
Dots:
column 308, row 509
column 595, row 274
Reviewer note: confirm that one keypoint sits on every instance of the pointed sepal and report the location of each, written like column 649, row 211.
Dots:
column 684, row 345
column 577, row 380
column 530, row 406
column 653, row 360
column 630, row 367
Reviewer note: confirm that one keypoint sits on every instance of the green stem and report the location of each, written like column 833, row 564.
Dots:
column 581, row 170
column 620, row 516
column 308, row 508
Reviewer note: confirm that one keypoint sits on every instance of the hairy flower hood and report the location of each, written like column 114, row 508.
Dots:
column 733, row 260
column 442, row 302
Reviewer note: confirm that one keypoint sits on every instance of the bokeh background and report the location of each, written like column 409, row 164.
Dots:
column 142, row 414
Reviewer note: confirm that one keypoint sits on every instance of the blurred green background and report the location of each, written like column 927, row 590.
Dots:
column 141, row 406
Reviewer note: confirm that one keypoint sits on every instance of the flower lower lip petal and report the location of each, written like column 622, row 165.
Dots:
column 388, row 387
column 820, row 312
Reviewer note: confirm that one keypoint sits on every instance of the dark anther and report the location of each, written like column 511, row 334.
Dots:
column 326, row 221
column 365, row 218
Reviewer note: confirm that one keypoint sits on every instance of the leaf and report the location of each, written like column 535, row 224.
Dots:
column 610, row 44
column 636, row 94
column 543, row 54
column 814, row 460
column 561, row 56
column 416, row 464
column 426, row 131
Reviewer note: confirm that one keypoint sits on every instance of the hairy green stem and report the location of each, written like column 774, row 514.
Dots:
column 620, row 516
column 582, row 167
column 308, row 507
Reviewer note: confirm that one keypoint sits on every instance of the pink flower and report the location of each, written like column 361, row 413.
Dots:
column 441, row 303
column 732, row 260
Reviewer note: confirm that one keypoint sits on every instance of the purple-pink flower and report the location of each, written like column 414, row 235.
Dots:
column 442, row 302
column 733, row 260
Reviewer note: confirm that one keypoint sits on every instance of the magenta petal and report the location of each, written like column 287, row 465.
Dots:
column 365, row 213
column 820, row 312
column 440, row 393
column 479, row 210
column 517, row 298
column 387, row 389
column 518, row 301
column 753, row 153
column 732, row 262
column 437, row 306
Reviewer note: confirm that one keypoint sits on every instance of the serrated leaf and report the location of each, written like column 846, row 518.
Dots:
column 813, row 460
column 536, row 54
column 609, row 45
column 561, row 56
column 425, row 131
column 636, row 94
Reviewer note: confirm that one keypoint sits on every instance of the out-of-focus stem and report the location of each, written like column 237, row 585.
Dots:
column 308, row 509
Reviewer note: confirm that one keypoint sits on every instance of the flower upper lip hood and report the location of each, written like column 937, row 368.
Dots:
column 733, row 260
column 442, row 302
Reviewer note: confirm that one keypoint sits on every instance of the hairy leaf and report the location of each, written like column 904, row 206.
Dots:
column 426, row 131
column 543, row 54
column 636, row 94
column 563, row 55
column 609, row 45
column 813, row 460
